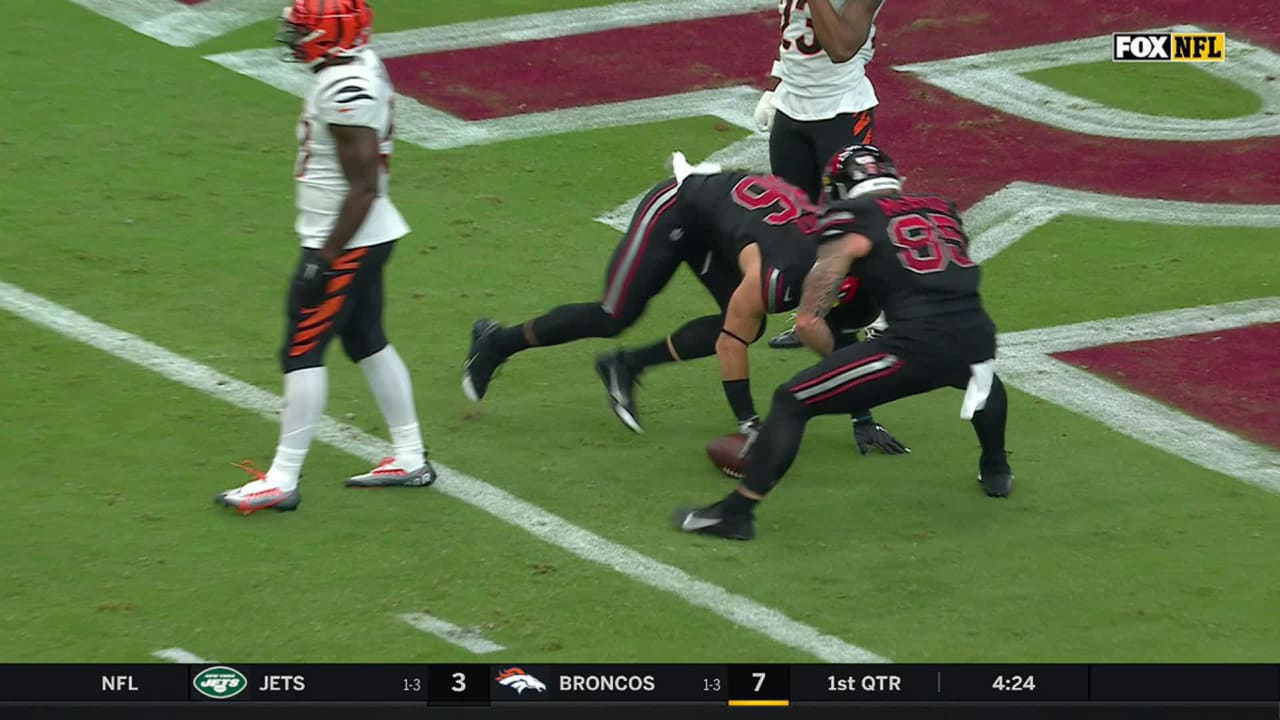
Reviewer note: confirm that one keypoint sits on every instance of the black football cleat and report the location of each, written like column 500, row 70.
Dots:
column 712, row 520
column 785, row 340
column 482, row 361
column 619, row 384
column 996, row 482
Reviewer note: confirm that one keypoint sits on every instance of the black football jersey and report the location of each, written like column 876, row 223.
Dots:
column 732, row 210
column 919, row 266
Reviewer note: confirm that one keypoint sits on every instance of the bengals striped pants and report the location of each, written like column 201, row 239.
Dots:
column 351, row 310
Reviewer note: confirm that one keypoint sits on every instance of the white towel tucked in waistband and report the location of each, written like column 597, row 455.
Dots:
column 975, row 395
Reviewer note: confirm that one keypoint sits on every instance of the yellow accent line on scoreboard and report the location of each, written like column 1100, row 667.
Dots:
column 759, row 703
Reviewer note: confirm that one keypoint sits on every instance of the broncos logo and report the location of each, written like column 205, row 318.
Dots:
column 519, row 680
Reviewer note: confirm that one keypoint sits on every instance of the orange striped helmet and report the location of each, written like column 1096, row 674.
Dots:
column 316, row 30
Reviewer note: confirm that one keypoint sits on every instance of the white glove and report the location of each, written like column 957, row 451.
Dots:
column 764, row 111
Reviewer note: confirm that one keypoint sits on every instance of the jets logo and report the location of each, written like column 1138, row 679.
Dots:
column 519, row 680
column 219, row 682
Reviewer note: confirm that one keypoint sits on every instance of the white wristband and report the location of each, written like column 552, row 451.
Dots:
column 776, row 70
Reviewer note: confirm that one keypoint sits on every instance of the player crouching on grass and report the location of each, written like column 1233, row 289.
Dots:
column 749, row 239
column 910, row 252
column 348, row 226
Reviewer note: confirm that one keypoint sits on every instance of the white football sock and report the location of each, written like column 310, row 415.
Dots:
column 305, row 394
column 389, row 380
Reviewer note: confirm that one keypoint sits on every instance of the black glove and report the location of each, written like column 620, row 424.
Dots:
column 873, row 435
column 309, row 284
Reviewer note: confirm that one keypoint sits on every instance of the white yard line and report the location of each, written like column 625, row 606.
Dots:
column 181, row 657
column 184, row 25
column 738, row 609
column 464, row 638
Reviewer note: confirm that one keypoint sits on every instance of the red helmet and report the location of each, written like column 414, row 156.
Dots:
column 316, row 30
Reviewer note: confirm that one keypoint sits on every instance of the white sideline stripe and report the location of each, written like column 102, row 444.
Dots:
column 740, row 610
column 1025, row 363
column 181, row 657
column 181, row 25
column 464, row 638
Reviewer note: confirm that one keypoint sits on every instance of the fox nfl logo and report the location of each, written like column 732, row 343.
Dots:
column 1168, row 47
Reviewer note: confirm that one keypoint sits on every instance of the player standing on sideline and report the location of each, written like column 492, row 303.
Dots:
column 820, row 99
column 910, row 252
column 348, row 227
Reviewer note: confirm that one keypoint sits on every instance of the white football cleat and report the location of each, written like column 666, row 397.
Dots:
column 258, row 494
column 389, row 474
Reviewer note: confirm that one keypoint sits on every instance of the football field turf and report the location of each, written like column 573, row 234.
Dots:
column 150, row 190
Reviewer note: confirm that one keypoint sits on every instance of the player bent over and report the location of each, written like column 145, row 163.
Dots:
column 910, row 252
column 348, row 227
column 749, row 239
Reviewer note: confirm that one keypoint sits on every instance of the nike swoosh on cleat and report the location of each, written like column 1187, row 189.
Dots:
column 469, row 388
column 693, row 522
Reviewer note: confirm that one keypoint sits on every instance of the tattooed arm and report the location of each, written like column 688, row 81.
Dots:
column 822, row 285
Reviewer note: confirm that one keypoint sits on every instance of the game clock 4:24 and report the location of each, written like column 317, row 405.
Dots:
column 1014, row 683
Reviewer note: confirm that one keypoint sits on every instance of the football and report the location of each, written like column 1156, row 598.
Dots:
column 723, row 452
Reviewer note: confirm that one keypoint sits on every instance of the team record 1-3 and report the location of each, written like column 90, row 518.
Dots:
column 736, row 685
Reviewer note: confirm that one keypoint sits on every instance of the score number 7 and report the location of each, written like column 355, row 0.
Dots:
column 759, row 676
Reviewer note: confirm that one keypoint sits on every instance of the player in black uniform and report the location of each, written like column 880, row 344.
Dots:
column 910, row 252
column 749, row 239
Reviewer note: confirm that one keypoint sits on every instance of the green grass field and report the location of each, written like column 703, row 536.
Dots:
column 151, row 191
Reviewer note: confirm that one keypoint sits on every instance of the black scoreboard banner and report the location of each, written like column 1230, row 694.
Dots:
column 727, row 685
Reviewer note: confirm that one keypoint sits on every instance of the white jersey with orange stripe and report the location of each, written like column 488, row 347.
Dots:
column 359, row 94
column 813, row 87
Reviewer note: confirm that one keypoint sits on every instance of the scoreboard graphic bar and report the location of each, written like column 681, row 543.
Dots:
column 744, row 685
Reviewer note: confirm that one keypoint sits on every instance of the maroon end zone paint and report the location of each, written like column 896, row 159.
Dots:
column 1230, row 378
column 952, row 146
column 942, row 143
column 591, row 68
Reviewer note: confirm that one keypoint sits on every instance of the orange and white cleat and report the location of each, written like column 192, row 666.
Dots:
column 389, row 473
column 258, row 494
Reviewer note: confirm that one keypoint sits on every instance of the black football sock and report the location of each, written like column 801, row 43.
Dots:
column 697, row 338
column 648, row 356
column 862, row 418
column 736, row 503
column 561, row 325
column 511, row 340
column 778, row 444
column 989, row 424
